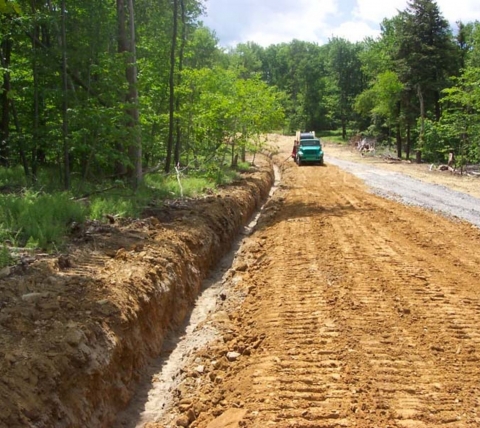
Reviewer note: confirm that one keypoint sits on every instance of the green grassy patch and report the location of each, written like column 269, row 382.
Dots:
column 42, row 219
column 37, row 219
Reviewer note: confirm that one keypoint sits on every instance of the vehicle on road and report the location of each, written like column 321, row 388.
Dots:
column 307, row 149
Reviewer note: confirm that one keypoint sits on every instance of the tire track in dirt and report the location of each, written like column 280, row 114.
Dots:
column 364, row 313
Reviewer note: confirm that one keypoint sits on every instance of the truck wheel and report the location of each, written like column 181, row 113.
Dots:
column 299, row 161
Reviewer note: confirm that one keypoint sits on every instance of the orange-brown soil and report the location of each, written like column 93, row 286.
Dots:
column 76, row 330
column 342, row 309
column 359, row 312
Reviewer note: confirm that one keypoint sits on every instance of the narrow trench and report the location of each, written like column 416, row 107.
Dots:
column 153, row 394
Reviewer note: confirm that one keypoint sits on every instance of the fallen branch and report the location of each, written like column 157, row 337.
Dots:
column 95, row 192
column 177, row 170
column 445, row 168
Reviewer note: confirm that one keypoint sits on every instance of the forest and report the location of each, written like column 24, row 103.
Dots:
column 128, row 96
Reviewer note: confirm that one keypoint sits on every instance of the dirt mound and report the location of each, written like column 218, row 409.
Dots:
column 77, row 329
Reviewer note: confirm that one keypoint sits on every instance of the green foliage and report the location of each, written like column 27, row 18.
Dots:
column 436, row 141
column 115, row 205
column 39, row 217
column 244, row 166
column 12, row 177
column 381, row 101
column 471, row 46
column 347, row 79
column 10, row 8
column 6, row 258
column 225, row 101
column 460, row 121
column 226, row 114
column 164, row 187
column 425, row 47
column 335, row 135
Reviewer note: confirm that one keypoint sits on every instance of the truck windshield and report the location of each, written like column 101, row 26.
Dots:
column 310, row 143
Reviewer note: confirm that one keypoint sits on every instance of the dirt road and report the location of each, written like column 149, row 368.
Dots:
column 343, row 309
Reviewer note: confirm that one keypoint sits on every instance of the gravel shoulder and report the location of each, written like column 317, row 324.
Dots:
column 460, row 183
column 413, row 191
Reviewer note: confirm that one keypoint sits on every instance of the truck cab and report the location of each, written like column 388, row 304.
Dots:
column 308, row 149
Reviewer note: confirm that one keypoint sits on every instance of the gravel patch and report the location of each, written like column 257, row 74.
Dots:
column 407, row 190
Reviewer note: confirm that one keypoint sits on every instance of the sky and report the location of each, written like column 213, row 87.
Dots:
column 268, row 22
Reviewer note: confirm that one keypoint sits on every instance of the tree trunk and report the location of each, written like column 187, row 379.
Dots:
column 438, row 110
column 21, row 144
column 168, row 159
column 66, row 148
column 36, row 104
column 122, row 47
column 399, row 131
column 5, row 54
column 422, row 123
column 399, row 141
column 178, row 141
column 409, row 143
column 127, row 46
column 135, row 148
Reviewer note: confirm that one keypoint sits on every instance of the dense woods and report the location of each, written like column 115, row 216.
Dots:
column 98, row 89
column 94, row 91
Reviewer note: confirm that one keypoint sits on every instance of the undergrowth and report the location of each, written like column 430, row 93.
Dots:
column 41, row 216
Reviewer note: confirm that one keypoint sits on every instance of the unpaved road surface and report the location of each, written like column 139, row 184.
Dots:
column 343, row 309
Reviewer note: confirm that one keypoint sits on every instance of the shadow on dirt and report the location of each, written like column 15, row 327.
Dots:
column 159, row 380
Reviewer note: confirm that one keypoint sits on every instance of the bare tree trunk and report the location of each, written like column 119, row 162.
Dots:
column 438, row 109
column 168, row 159
column 66, row 148
column 5, row 53
column 399, row 132
column 36, row 102
column 21, row 144
column 399, row 141
column 178, row 143
column 422, row 123
column 409, row 143
column 127, row 46
column 122, row 47
column 135, row 149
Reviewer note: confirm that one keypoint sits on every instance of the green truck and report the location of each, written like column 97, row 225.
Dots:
column 307, row 149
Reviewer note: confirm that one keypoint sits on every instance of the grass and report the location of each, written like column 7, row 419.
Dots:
column 42, row 218
column 334, row 136
column 12, row 177
column 244, row 166
column 6, row 258
column 37, row 218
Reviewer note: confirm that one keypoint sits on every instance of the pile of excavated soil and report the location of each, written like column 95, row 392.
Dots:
column 76, row 330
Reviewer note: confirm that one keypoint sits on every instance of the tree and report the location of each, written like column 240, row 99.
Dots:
column 173, row 47
column 226, row 113
column 127, row 49
column 7, row 12
column 346, row 72
column 382, row 100
column 425, row 55
column 460, row 123
column 471, row 43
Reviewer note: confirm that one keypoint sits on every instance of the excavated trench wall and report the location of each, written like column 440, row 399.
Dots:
column 95, row 317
